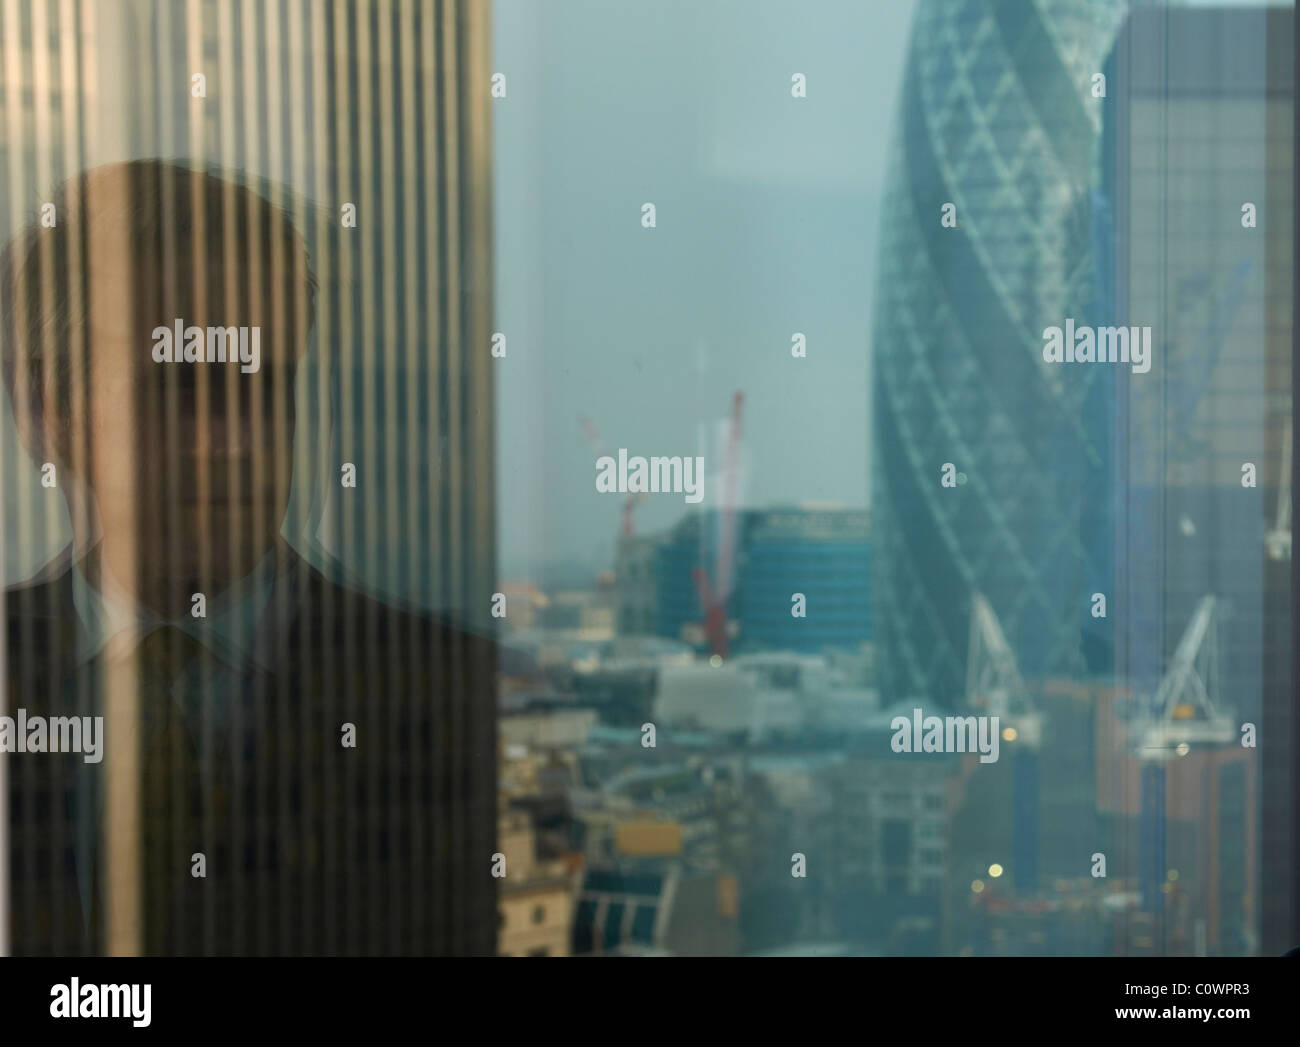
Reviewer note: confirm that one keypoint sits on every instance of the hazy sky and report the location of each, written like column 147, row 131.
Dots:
column 767, row 212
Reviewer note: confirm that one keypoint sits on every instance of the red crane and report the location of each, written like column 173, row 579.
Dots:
column 713, row 597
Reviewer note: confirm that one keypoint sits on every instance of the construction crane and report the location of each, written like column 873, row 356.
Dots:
column 1184, row 713
column 714, row 595
column 1278, row 540
column 993, row 679
column 994, row 683
column 1185, row 709
column 633, row 499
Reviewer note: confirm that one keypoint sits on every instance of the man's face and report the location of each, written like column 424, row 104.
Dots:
column 193, row 458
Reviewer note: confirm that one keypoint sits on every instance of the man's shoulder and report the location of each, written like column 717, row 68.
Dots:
column 43, row 600
column 343, row 614
column 362, row 654
column 41, row 629
column 53, row 577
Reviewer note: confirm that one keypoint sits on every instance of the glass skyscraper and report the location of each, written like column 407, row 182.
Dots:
column 999, row 117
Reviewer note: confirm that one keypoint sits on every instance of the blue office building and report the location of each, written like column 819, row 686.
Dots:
column 823, row 554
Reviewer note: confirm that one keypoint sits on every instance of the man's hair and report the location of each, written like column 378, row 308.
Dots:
column 44, row 302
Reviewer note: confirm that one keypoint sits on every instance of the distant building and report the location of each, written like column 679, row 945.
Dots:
column 524, row 602
column 548, row 729
column 636, row 598
column 663, row 837
column 621, row 693
column 725, row 699
column 762, row 696
column 1209, row 844
column 889, row 843
column 536, row 900
column 1024, row 817
column 656, row 907
column 589, row 613
column 823, row 554
column 1083, row 920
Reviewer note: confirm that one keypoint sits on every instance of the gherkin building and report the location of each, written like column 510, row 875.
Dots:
column 1000, row 116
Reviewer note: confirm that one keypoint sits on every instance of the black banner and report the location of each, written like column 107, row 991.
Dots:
column 337, row 997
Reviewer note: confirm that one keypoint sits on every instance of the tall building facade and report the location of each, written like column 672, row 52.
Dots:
column 997, row 118
column 368, row 125
column 1197, row 176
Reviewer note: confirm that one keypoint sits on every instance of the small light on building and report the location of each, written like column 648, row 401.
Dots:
column 995, row 870
column 715, row 661
column 1008, row 734
column 1183, row 749
column 1173, row 875
column 977, row 886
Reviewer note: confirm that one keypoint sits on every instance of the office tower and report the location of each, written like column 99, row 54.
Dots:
column 366, row 126
column 1196, row 175
column 996, row 118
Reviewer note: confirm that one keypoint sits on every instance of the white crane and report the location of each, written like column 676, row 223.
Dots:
column 993, row 679
column 1185, row 710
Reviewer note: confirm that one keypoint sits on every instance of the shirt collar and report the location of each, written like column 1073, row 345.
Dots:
column 234, row 625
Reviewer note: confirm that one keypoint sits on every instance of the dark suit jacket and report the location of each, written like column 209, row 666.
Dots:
column 310, row 847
